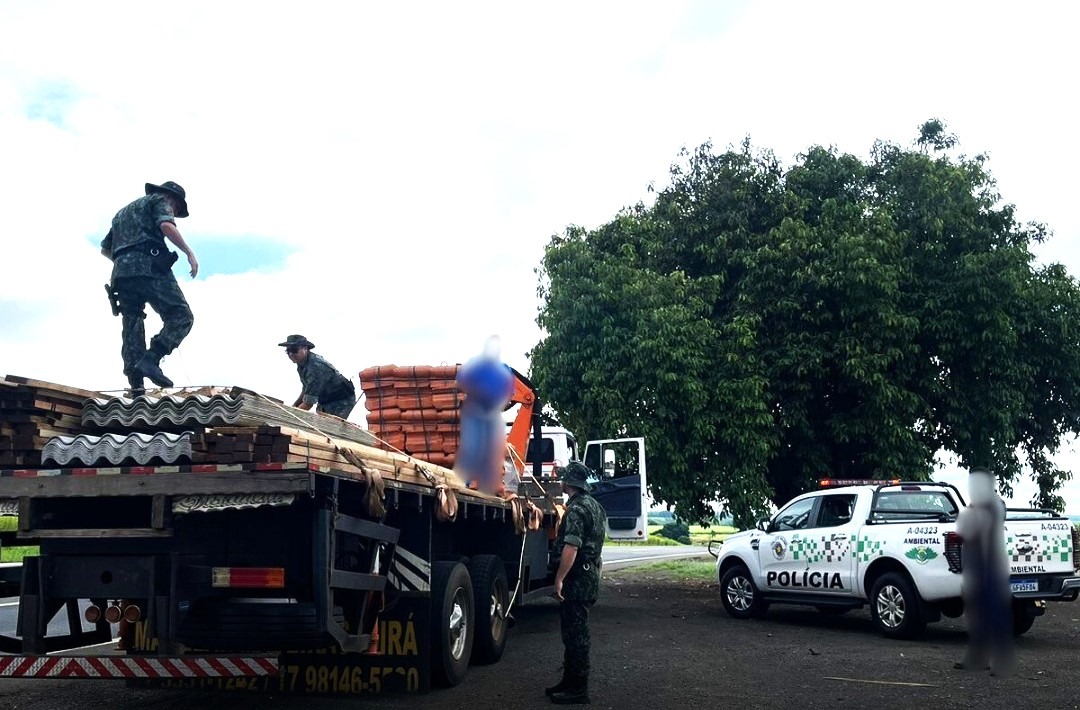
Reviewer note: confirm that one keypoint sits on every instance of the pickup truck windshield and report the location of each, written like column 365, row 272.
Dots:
column 900, row 504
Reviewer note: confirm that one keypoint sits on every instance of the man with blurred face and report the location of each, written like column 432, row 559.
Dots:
column 987, row 595
column 322, row 384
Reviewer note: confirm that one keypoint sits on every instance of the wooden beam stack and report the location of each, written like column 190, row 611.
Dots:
column 415, row 408
column 31, row 413
column 279, row 444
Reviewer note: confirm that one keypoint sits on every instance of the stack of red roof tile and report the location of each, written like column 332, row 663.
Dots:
column 415, row 408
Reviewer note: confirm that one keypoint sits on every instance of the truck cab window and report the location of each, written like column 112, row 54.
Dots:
column 836, row 510
column 794, row 517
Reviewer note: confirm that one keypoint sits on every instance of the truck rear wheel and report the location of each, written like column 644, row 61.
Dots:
column 740, row 595
column 452, row 618
column 895, row 606
column 492, row 598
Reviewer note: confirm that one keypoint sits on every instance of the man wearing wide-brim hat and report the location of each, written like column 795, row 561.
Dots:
column 322, row 384
column 142, row 274
column 579, row 544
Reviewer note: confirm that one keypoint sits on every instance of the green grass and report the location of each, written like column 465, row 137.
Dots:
column 699, row 534
column 14, row 553
column 17, row 553
column 704, row 570
column 650, row 540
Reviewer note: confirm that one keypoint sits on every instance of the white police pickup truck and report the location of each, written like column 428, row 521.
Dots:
column 893, row 546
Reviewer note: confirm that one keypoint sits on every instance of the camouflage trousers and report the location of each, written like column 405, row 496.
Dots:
column 165, row 297
column 574, row 626
column 340, row 408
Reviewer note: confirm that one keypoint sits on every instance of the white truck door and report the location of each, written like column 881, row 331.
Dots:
column 621, row 485
column 828, row 544
column 777, row 563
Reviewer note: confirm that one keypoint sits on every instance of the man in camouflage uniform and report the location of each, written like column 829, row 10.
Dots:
column 323, row 385
column 142, row 274
column 579, row 544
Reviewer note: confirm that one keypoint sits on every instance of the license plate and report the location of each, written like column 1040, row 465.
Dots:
column 1025, row 585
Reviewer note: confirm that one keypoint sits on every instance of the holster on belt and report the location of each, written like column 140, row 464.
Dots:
column 114, row 299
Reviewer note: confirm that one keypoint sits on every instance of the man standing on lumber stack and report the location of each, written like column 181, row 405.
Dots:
column 323, row 385
column 142, row 274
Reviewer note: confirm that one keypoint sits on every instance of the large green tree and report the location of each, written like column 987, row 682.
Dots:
column 765, row 326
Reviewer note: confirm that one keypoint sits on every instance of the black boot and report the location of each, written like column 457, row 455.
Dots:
column 136, row 387
column 147, row 366
column 577, row 693
column 561, row 685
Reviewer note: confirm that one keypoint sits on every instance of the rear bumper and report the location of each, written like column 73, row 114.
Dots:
column 1054, row 588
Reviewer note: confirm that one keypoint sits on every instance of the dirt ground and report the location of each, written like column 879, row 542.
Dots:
column 660, row 643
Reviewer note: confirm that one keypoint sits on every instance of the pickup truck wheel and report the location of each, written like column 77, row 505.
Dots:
column 740, row 595
column 491, row 604
column 451, row 622
column 1022, row 618
column 895, row 606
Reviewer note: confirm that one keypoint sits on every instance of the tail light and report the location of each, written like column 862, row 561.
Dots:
column 113, row 614
column 92, row 613
column 953, row 545
column 248, row 577
column 1076, row 546
column 132, row 613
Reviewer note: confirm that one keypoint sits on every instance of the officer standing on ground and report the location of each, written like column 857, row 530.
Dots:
column 142, row 274
column 579, row 545
column 323, row 385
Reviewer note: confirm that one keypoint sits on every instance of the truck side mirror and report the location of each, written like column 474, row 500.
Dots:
column 763, row 525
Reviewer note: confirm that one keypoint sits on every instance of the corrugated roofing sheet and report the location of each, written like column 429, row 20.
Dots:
column 136, row 448
column 241, row 409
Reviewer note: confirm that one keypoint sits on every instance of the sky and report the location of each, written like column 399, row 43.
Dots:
column 383, row 177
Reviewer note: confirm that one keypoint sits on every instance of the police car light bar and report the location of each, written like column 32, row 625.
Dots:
column 838, row 482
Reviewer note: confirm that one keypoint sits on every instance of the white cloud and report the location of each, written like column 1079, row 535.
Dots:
column 419, row 155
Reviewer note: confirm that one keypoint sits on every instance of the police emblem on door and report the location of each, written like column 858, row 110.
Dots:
column 779, row 548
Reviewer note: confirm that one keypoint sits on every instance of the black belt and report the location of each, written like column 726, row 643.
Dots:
column 340, row 393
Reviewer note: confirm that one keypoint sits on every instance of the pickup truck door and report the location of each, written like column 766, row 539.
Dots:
column 807, row 549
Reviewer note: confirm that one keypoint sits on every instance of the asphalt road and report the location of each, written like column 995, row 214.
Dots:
column 662, row 642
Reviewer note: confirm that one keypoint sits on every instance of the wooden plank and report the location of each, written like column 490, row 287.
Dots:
column 168, row 484
column 97, row 532
column 75, row 391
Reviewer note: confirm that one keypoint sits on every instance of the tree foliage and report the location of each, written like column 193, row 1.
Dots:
column 764, row 327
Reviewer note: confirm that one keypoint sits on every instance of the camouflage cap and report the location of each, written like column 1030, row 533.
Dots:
column 171, row 188
column 575, row 474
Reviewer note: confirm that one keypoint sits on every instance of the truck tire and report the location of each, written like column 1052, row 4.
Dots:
column 740, row 595
column 1023, row 617
column 895, row 606
column 452, row 618
column 492, row 597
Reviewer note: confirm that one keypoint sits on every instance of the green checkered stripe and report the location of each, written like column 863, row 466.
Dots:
column 1048, row 548
column 866, row 548
column 823, row 549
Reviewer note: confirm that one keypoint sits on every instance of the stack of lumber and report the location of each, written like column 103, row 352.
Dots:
column 280, row 444
column 229, row 426
column 415, row 408
column 31, row 413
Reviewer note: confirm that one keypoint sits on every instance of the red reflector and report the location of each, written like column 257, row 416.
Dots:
column 249, row 577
